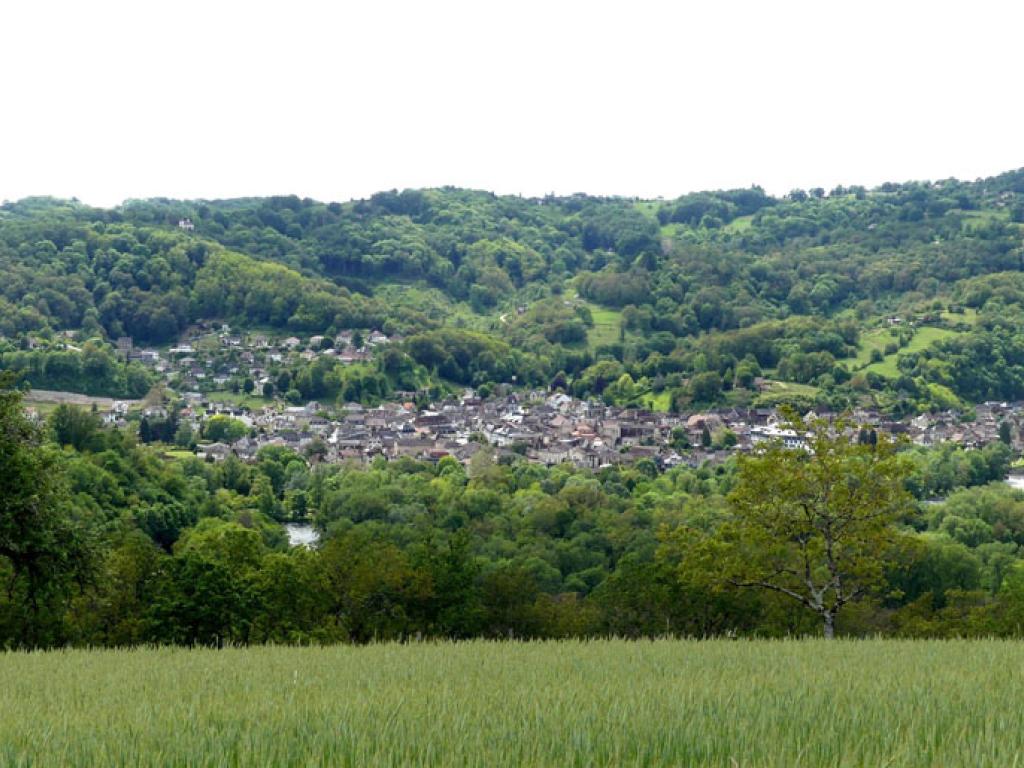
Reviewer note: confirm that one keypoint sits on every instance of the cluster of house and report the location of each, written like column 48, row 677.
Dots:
column 543, row 427
column 553, row 428
column 208, row 360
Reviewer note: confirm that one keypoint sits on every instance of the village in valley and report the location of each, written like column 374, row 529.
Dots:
column 216, row 372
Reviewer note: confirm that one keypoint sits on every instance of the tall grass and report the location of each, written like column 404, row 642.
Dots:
column 720, row 703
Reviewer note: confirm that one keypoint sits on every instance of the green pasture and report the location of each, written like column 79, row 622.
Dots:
column 879, row 338
column 924, row 337
column 740, row 224
column 251, row 401
column 606, row 326
column 179, row 454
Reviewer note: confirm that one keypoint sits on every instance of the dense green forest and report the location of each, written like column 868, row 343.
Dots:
column 696, row 298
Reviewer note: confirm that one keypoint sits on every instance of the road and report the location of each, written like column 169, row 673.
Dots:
column 73, row 398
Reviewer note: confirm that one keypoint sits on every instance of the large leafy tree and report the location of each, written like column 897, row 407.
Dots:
column 209, row 593
column 815, row 525
column 44, row 550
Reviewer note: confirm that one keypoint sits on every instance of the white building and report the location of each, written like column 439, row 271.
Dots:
column 790, row 438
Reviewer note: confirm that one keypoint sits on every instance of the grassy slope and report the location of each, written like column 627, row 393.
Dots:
column 661, row 401
column 984, row 216
column 649, row 208
column 870, row 341
column 791, row 388
column 968, row 316
column 606, row 331
column 606, row 322
column 722, row 703
column 178, row 454
column 606, row 326
column 924, row 337
column 740, row 224
column 880, row 337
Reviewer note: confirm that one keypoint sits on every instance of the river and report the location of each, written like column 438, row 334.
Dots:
column 301, row 534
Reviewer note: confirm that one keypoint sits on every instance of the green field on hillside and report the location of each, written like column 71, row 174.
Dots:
column 924, row 337
column 179, row 454
column 984, row 216
column 241, row 399
column 740, row 224
column 660, row 401
column 649, row 208
column 968, row 316
column 880, row 337
column 606, row 326
column 870, row 341
column 786, row 392
column 790, row 388
column 601, row 703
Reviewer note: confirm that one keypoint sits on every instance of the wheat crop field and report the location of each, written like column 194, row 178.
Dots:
column 570, row 703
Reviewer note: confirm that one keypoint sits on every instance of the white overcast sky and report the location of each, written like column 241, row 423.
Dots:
column 112, row 100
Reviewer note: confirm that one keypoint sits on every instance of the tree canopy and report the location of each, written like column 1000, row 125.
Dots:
column 816, row 525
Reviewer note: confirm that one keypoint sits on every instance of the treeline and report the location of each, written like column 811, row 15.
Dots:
column 92, row 369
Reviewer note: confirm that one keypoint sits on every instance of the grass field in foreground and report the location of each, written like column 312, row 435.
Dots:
column 719, row 703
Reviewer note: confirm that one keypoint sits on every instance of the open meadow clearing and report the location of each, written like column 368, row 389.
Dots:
column 879, row 338
column 606, row 326
column 728, row 703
